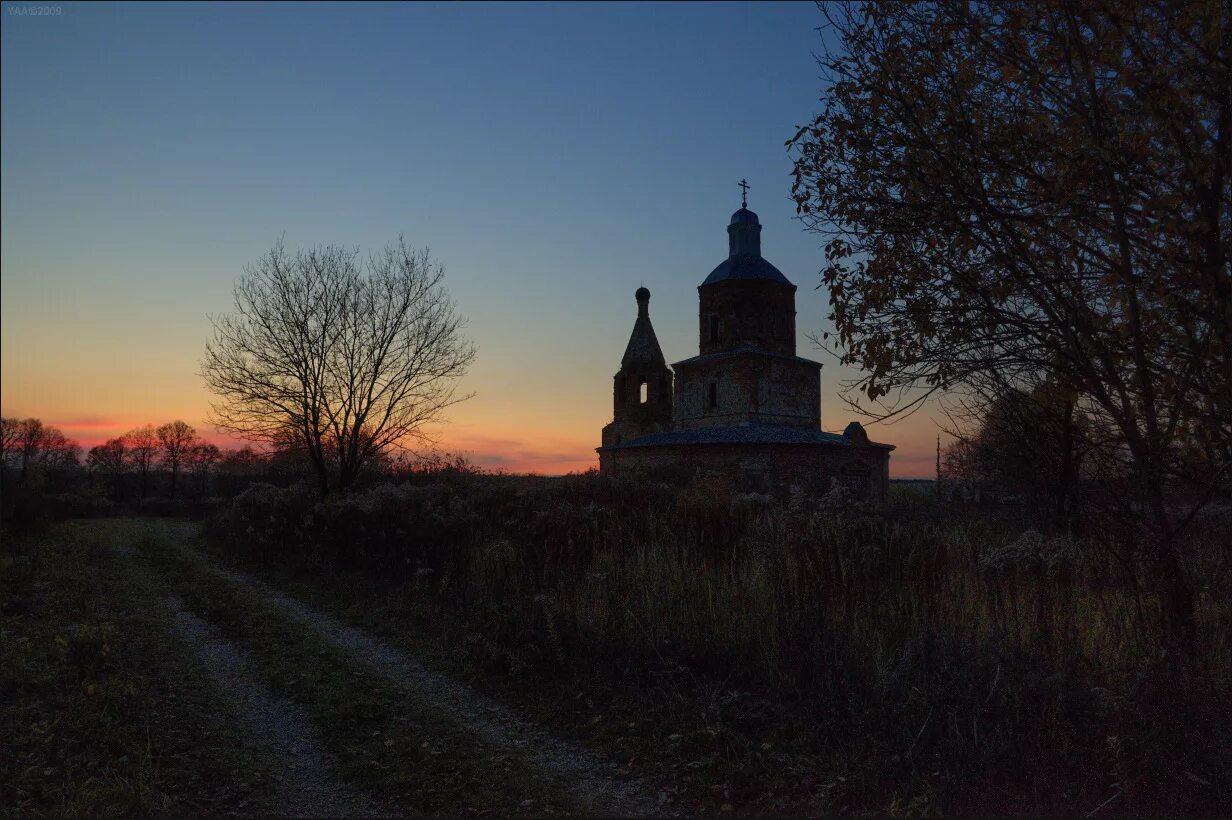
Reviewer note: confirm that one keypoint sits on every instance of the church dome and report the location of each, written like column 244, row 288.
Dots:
column 744, row 260
column 744, row 217
column 746, row 267
column 642, row 294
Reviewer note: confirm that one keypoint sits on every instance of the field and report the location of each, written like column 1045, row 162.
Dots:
column 470, row 644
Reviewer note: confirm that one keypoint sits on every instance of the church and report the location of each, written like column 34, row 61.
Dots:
column 746, row 406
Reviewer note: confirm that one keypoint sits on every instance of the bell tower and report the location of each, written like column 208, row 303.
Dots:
column 642, row 388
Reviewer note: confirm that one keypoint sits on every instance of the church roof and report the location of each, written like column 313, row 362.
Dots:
column 741, row 434
column 643, row 348
column 743, row 351
column 744, row 217
column 746, row 267
column 744, row 260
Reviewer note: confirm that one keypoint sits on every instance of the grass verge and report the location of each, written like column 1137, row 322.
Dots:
column 384, row 738
column 714, row 748
column 101, row 713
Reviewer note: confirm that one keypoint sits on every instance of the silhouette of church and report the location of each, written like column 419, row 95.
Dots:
column 746, row 406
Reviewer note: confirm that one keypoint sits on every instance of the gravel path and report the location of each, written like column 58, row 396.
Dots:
column 306, row 786
column 593, row 783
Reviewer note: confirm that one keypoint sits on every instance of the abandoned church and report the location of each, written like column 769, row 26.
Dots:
column 746, row 406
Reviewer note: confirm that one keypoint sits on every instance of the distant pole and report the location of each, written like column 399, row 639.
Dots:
column 938, row 468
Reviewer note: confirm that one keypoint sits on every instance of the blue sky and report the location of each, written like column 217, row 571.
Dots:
column 552, row 156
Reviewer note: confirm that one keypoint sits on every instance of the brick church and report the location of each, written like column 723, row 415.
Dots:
column 746, row 406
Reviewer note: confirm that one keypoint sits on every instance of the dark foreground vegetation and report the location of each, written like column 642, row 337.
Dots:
column 911, row 659
column 781, row 655
column 100, row 713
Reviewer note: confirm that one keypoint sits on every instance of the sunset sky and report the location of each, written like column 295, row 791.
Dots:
column 552, row 157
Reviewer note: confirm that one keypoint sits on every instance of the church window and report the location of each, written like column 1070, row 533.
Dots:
column 714, row 328
column 642, row 391
column 713, row 395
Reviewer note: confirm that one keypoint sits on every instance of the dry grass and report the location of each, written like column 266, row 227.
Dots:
column 920, row 653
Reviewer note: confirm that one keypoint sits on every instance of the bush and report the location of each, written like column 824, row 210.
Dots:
column 73, row 505
column 24, row 511
column 266, row 522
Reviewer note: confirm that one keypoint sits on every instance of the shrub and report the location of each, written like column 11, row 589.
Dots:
column 266, row 522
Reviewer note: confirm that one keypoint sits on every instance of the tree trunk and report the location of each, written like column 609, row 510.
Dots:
column 318, row 464
column 1176, row 600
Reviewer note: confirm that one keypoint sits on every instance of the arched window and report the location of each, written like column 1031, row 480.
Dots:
column 713, row 396
column 642, row 392
column 714, row 328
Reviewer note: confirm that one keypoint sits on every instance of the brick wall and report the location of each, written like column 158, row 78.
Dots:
column 749, row 388
column 767, row 468
column 747, row 312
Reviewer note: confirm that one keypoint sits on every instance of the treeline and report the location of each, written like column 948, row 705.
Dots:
column 165, row 469
column 170, row 460
column 1042, row 450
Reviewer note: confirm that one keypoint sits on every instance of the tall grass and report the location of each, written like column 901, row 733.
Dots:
column 943, row 646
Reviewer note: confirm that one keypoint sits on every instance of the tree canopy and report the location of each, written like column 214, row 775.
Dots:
column 343, row 355
column 1017, row 192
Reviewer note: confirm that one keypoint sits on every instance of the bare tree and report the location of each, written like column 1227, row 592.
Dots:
column 142, row 444
column 176, row 438
column 109, row 459
column 200, row 460
column 58, row 451
column 30, row 443
column 237, row 468
column 348, row 356
column 10, row 429
column 1022, row 189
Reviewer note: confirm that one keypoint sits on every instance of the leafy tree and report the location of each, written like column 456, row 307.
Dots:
column 348, row 357
column 1013, row 191
column 176, row 439
column 142, row 444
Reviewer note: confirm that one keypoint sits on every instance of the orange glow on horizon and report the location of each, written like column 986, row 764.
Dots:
column 504, row 450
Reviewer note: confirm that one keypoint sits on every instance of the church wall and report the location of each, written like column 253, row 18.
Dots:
column 748, row 312
column 765, row 468
column 752, row 388
column 622, row 430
